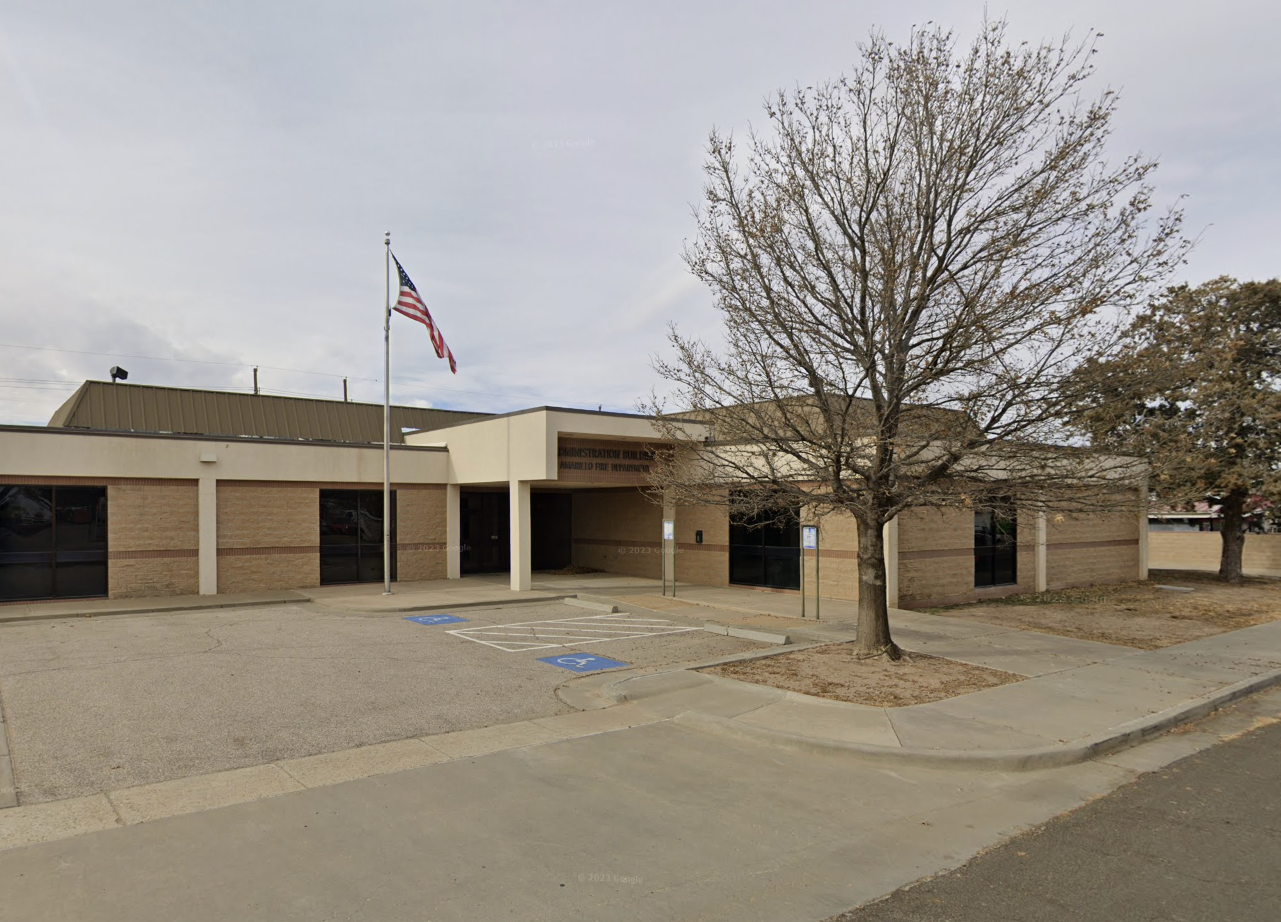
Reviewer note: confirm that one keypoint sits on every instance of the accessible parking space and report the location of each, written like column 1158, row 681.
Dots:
column 97, row 704
column 570, row 632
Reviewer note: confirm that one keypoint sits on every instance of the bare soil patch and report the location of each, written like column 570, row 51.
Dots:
column 1136, row 614
column 833, row 671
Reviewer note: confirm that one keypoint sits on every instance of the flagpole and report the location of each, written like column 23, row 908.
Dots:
column 387, row 419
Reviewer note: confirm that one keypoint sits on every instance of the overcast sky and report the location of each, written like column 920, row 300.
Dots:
column 210, row 182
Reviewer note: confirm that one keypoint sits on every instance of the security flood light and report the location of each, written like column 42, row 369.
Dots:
column 118, row 372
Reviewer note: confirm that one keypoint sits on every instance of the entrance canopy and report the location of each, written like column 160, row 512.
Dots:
column 547, row 448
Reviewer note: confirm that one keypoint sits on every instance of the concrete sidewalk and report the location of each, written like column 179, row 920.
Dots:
column 440, row 594
column 363, row 598
column 1079, row 698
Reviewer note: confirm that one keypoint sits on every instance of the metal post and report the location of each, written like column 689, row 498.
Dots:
column 802, row 572
column 662, row 562
column 387, row 418
column 818, row 584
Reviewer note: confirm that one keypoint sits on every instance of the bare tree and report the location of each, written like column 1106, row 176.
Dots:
column 1196, row 390
column 909, row 265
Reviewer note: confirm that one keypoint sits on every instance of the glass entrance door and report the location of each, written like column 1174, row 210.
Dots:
column 351, row 536
column 765, row 551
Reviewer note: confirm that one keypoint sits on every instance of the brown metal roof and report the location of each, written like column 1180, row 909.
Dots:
column 146, row 408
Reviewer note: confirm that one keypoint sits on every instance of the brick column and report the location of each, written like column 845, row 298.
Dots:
column 207, row 493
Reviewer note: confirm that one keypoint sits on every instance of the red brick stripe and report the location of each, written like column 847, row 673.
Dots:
column 267, row 551
column 166, row 554
column 1082, row 545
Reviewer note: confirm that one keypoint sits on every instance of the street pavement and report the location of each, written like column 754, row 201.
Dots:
column 654, row 822
column 1199, row 841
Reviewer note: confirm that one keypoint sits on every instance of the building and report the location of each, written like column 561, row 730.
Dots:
column 137, row 491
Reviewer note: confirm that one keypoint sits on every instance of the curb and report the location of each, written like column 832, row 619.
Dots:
column 1122, row 736
column 612, row 691
column 150, row 610
column 743, row 633
column 396, row 609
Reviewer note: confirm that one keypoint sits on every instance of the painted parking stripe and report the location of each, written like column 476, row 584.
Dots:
column 581, row 662
column 569, row 632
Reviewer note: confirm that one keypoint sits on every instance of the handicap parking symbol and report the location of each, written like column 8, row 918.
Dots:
column 436, row 619
column 581, row 662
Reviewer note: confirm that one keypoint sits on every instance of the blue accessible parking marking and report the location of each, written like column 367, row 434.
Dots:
column 582, row 662
column 436, row 619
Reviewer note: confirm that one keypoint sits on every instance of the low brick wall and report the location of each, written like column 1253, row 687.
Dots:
column 1200, row 550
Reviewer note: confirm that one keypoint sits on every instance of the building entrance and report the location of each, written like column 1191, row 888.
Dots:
column 765, row 552
column 484, row 531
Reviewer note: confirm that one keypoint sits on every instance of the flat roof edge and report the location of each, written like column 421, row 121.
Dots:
column 182, row 437
column 577, row 410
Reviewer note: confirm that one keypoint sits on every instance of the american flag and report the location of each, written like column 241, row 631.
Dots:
column 410, row 303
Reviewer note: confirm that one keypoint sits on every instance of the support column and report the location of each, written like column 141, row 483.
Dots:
column 889, row 535
column 522, row 577
column 1143, row 528
column 453, row 530
column 1042, row 573
column 207, row 504
column 668, row 548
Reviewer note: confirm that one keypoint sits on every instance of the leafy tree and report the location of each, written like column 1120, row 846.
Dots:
column 1196, row 389
column 909, row 265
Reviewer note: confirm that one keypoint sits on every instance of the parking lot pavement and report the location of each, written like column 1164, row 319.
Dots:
column 102, row 704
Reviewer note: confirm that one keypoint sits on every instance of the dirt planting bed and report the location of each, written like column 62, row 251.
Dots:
column 834, row 671
column 1138, row 614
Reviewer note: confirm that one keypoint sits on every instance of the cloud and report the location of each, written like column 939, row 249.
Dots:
column 212, row 181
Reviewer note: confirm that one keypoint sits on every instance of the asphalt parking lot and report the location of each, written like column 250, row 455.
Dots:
column 105, row 703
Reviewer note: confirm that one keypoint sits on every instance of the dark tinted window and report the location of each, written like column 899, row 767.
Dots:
column 351, row 536
column 995, row 548
column 764, row 550
column 53, row 542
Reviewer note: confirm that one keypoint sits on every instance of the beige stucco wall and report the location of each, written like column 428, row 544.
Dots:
column 1200, row 550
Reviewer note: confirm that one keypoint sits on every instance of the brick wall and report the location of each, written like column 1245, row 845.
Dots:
column 1096, row 547
column 153, row 539
column 420, row 532
column 268, row 536
column 1200, row 550
column 836, row 573
column 705, row 564
column 936, row 557
column 619, row 531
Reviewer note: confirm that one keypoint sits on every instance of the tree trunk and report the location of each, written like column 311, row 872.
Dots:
column 1233, row 511
column 873, row 611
